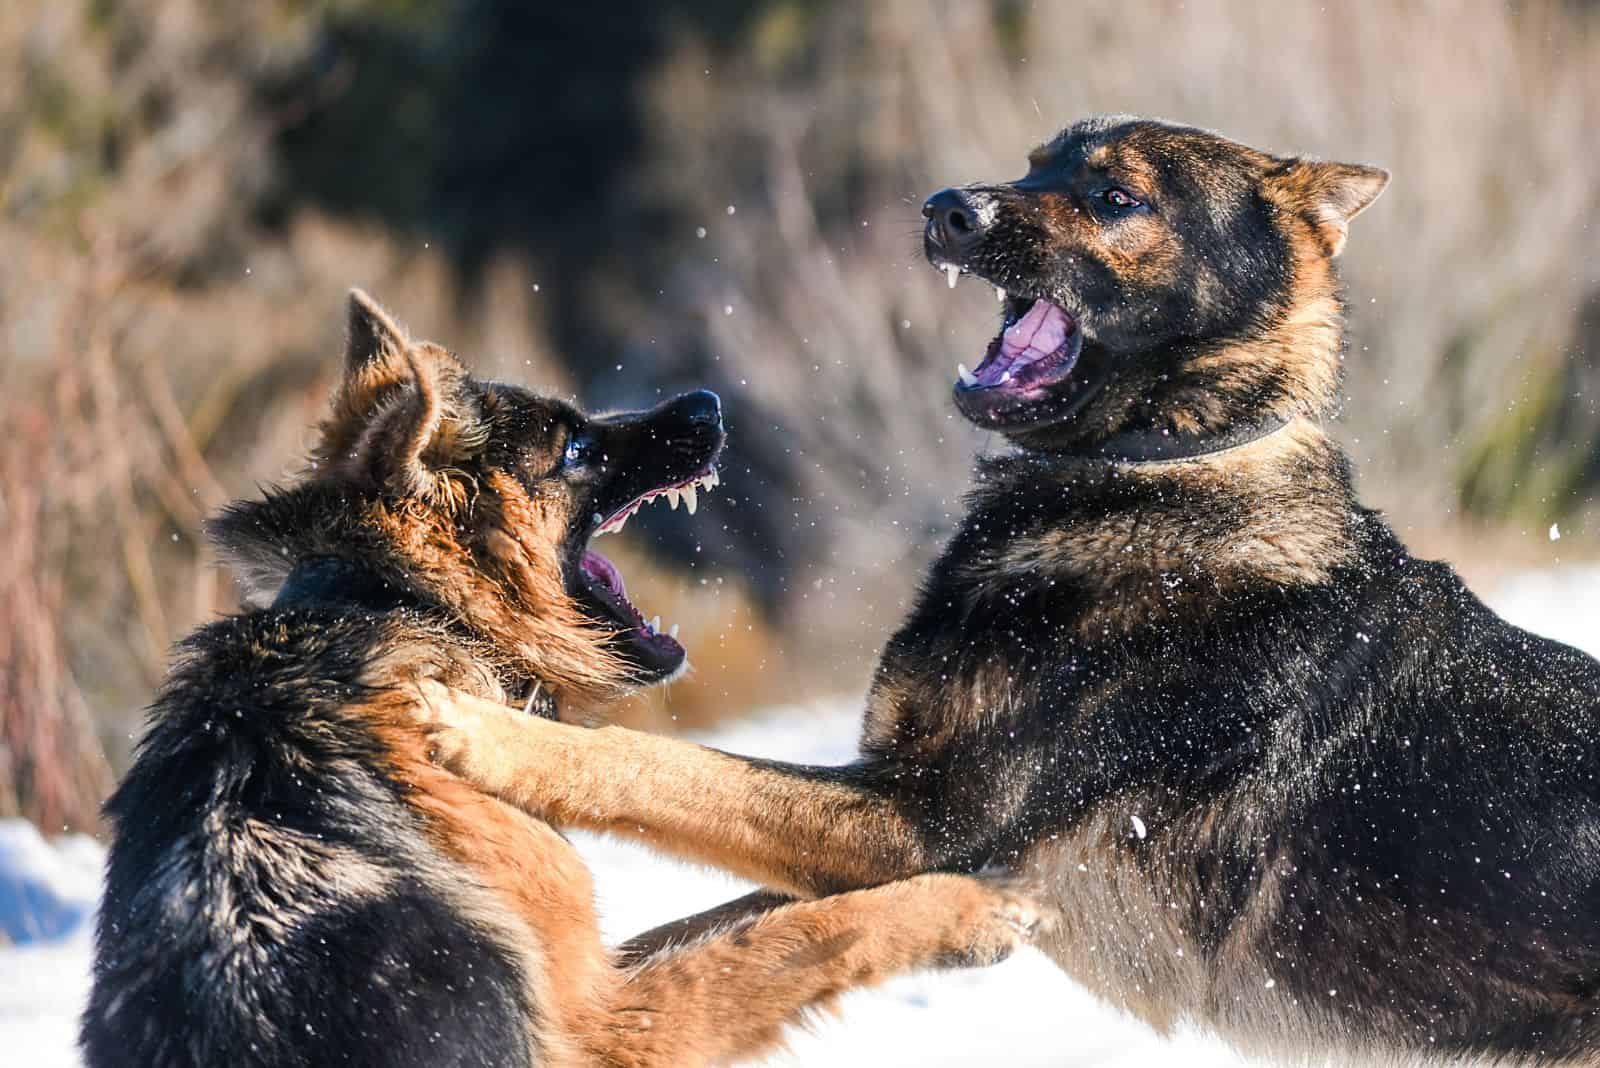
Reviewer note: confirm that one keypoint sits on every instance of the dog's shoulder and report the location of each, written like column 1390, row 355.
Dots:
column 263, row 849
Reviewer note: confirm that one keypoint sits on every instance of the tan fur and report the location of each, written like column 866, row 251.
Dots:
column 392, row 426
column 1329, row 195
column 673, row 795
column 1148, row 963
column 729, row 989
column 1181, row 901
column 711, row 990
column 1148, row 562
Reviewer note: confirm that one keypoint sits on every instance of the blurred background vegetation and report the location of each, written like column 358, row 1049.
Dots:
column 621, row 201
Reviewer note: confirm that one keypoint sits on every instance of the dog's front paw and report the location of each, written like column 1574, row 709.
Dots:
column 459, row 729
column 992, row 916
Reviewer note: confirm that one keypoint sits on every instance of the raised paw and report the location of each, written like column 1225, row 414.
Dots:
column 523, row 760
column 991, row 915
column 460, row 730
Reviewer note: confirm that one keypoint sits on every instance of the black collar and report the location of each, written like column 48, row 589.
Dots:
column 332, row 580
column 1162, row 446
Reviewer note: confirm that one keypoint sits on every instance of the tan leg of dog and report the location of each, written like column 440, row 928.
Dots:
column 711, row 988
column 681, row 932
column 729, row 991
column 805, row 830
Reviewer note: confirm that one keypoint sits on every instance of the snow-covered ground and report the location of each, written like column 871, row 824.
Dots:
column 1020, row 1013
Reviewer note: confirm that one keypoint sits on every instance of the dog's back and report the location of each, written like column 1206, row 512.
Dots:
column 271, row 897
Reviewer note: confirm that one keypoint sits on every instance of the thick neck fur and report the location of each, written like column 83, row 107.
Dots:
column 1287, row 365
column 1062, row 552
column 1133, row 540
column 505, row 600
column 1058, row 552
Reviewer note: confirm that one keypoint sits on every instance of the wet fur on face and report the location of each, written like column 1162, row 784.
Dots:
column 478, row 499
column 1194, row 272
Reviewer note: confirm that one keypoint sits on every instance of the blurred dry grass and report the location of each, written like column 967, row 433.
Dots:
column 1467, row 277
column 165, row 347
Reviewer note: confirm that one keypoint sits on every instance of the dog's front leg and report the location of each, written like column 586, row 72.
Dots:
column 805, row 830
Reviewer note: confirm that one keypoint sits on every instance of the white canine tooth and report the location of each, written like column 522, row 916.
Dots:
column 966, row 376
column 655, row 625
column 1005, row 378
column 672, row 499
column 622, row 521
column 690, row 502
column 673, row 633
column 716, row 479
column 951, row 273
column 999, row 295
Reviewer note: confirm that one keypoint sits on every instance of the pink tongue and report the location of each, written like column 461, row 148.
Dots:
column 598, row 567
column 1031, row 338
column 1035, row 335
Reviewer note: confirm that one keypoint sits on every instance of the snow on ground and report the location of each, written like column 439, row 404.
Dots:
column 47, row 895
column 1023, row 1011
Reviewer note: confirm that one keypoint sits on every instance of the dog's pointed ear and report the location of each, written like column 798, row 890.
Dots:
column 396, row 414
column 1329, row 195
column 393, row 444
column 371, row 336
column 415, row 430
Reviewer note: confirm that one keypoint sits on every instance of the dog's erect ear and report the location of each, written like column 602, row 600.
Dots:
column 1330, row 194
column 397, row 414
column 374, row 352
column 397, row 435
column 372, row 336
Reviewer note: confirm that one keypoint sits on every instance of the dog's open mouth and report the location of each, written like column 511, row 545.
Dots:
column 1037, row 346
column 1031, row 373
column 604, row 595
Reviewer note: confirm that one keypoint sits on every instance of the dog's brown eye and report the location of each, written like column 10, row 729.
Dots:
column 1119, row 198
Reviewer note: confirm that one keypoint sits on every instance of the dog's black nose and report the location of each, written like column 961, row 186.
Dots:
column 702, row 406
column 954, row 218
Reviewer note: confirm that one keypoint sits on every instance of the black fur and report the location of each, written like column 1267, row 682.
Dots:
column 243, row 921
column 1368, row 807
column 1282, row 779
column 279, row 891
column 1371, row 790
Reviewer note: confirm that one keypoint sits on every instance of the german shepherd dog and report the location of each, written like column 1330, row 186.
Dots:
column 293, row 883
column 1282, row 779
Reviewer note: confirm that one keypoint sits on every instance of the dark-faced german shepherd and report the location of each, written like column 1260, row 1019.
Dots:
column 1283, row 779
column 293, row 883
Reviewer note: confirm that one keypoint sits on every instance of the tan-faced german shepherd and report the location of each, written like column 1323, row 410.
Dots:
column 1283, row 779
column 293, row 883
